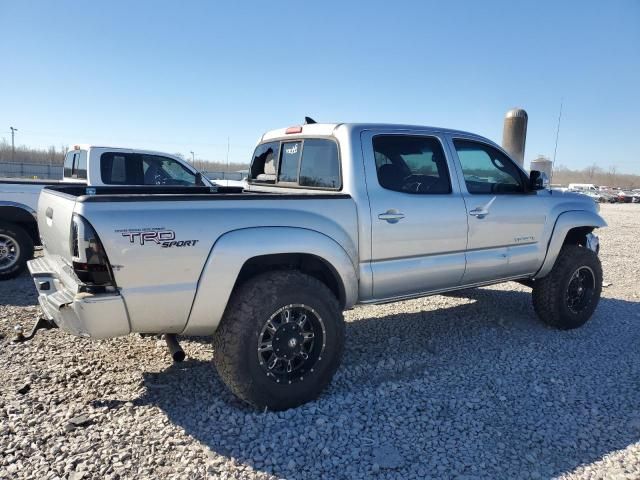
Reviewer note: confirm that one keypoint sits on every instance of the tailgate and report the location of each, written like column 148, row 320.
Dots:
column 55, row 211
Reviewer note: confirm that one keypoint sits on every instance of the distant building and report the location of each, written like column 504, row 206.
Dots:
column 542, row 164
column 514, row 134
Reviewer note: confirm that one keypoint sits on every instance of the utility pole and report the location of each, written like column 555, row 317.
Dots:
column 13, row 144
column 228, row 143
column 193, row 158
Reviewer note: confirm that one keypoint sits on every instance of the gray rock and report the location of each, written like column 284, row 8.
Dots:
column 24, row 388
column 388, row 456
column 79, row 421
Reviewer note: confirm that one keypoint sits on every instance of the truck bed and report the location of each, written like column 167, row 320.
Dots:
column 165, row 243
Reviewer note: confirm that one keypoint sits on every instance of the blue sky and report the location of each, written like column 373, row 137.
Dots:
column 181, row 76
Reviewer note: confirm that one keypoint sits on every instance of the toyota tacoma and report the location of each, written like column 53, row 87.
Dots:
column 333, row 215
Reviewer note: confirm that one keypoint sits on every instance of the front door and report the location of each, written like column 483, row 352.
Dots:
column 506, row 221
column 418, row 216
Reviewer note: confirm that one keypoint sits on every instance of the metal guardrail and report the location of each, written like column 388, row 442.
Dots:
column 31, row 170
column 224, row 175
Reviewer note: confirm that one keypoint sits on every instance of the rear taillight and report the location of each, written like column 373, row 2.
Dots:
column 90, row 262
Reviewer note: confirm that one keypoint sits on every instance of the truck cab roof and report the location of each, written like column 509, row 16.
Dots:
column 87, row 146
column 329, row 129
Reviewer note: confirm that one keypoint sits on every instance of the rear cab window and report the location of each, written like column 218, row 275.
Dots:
column 297, row 163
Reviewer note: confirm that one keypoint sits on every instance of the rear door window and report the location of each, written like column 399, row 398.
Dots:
column 411, row 164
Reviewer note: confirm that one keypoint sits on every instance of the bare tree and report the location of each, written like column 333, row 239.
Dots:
column 591, row 171
column 613, row 181
column 25, row 154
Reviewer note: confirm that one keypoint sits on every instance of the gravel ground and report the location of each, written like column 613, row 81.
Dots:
column 468, row 385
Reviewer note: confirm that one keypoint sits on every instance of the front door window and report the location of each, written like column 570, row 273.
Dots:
column 486, row 170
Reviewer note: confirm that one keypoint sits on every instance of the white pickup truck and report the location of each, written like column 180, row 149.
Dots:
column 334, row 215
column 86, row 165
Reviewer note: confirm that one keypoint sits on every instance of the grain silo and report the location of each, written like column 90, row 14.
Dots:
column 514, row 134
column 542, row 164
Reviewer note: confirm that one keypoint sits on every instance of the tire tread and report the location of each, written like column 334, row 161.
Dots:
column 546, row 291
column 243, row 307
column 26, row 248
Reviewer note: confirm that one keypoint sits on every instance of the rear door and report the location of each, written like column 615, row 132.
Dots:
column 506, row 221
column 418, row 216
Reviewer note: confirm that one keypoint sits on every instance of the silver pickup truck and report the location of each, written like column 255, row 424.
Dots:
column 334, row 215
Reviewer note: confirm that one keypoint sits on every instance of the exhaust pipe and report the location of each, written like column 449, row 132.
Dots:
column 177, row 354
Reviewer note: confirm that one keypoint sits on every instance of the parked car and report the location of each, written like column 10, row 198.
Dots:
column 635, row 196
column 334, row 215
column 625, row 197
column 85, row 165
column 583, row 187
column 609, row 197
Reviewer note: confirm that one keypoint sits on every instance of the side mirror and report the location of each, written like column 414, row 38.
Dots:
column 538, row 180
column 199, row 179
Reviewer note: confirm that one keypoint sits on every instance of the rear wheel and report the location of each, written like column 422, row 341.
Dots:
column 16, row 248
column 280, row 341
column 567, row 297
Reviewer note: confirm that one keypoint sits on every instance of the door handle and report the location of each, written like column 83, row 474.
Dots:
column 483, row 210
column 391, row 216
column 479, row 212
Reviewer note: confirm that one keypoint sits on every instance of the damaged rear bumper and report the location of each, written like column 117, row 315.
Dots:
column 84, row 314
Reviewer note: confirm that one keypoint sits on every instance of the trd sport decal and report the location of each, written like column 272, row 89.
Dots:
column 155, row 236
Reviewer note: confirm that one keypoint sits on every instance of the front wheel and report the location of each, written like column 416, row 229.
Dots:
column 16, row 247
column 567, row 297
column 280, row 340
